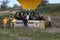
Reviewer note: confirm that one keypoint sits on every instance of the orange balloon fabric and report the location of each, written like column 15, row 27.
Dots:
column 29, row 4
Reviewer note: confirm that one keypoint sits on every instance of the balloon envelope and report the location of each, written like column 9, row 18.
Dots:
column 29, row 4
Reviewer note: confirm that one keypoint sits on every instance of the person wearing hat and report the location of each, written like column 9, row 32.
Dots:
column 12, row 22
column 5, row 20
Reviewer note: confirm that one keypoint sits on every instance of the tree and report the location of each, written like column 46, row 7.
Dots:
column 44, row 2
column 4, row 5
column 15, row 5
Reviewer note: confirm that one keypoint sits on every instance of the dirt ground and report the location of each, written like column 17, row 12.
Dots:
column 53, row 30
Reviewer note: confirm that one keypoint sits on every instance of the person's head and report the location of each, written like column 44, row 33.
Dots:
column 11, row 15
column 48, row 16
column 28, row 13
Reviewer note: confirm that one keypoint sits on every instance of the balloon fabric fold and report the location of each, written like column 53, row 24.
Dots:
column 29, row 4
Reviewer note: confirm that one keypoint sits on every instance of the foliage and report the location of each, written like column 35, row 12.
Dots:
column 49, row 8
column 4, row 5
column 15, row 5
column 44, row 2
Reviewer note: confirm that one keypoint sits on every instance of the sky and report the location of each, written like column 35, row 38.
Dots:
column 12, row 2
column 54, row 1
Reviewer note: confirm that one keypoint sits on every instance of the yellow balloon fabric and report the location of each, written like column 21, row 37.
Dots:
column 29, row 4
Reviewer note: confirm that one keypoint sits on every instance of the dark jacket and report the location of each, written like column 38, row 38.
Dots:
column 25, row 20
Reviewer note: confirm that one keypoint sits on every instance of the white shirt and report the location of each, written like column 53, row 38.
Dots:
column 27, row 17
column 49, row 19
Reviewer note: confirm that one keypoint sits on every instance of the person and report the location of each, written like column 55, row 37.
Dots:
column 25, row 21
column 5, row 20
column 12, row 22
column 37, row 17
column 10, row 19
column 21, row 17
column 49, row 20
column 41, row 17
column 17, row 16
column 34, row 17
column 27, row 16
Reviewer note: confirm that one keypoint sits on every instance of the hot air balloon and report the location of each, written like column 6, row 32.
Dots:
column 29, row 4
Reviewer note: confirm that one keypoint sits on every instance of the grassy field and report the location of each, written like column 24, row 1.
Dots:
column 27, row 34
